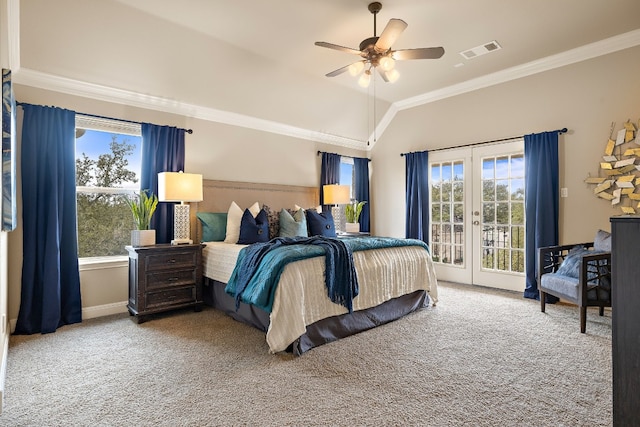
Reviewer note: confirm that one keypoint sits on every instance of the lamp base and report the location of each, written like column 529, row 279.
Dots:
column 339, row 219
column 181, row 224
column 182, row 242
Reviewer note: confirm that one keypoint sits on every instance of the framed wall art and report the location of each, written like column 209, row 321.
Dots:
column 8, row 201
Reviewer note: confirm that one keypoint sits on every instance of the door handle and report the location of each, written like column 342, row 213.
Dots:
column 476, row 222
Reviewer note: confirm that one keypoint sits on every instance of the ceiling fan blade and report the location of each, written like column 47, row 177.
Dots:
column 420, row 53
column 338, row 71
column 337, row 47
column 390, row 34
column 383, row 74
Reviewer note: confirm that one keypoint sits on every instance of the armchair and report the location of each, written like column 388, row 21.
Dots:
column 579, row 273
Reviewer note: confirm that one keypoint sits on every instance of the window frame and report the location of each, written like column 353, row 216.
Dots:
column 113, row 126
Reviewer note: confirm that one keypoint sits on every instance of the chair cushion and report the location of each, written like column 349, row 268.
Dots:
column 563, row 285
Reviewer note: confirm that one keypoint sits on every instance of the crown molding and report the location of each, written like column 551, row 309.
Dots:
column 74, row 87
column 579, row 54
column 119, row 96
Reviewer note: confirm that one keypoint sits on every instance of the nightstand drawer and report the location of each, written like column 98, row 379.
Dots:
column 163, row 279
column 170, row 297
column 176, row 259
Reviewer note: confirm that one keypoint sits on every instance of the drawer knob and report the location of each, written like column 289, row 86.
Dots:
column 171, row 261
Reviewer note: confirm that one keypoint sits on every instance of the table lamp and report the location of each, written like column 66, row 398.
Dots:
column 180, row 187
column 336, row 195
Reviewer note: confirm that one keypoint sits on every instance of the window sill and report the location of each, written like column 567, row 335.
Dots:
column 101, row 263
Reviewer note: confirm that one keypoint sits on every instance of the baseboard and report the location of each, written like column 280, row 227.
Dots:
column 104, row 310
column 92, row 312
column 4, row 354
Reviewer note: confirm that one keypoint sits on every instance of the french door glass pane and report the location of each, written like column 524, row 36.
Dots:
column 503, row 213
column 447, row 212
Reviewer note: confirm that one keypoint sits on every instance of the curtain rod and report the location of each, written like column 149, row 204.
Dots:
column 189, row 131
column 560, row 131
column 321, row 152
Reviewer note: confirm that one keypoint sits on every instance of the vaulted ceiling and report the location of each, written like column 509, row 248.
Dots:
column 253, row 63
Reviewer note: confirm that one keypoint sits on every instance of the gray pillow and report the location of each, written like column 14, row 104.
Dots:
column 602, row 241
column 293, row 226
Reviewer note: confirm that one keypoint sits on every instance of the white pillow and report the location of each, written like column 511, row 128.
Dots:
column 317, row 208
column 234, row 218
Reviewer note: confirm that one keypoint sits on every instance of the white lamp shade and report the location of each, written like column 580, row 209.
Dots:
column 336, row 194
column 365, row 79
column 356, row 68
column 179, row 187
column 392, row 75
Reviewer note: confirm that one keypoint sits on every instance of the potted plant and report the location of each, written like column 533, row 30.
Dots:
column 352, row 213
column 142, row 206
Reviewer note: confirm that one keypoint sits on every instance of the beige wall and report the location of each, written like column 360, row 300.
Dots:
column 584, row 97
column 220, row 152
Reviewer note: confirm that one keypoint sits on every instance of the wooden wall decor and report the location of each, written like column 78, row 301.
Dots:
column 619, row 172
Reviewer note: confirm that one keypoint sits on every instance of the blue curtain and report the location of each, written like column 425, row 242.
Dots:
column 50, row 295
column 417, row 198
column 329, row 172
column 162, row 151
column 361, row 192
column 541, row 201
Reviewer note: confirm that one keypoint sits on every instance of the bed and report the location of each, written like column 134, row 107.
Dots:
column 393, row 281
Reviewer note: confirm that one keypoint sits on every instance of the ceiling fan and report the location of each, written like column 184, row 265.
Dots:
column 377, row 53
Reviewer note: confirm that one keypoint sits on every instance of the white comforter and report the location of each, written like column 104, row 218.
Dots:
column 301, row 297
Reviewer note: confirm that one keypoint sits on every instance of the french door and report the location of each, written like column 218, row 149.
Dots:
column 477, row 215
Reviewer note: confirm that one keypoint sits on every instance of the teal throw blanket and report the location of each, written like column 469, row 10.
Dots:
column 259, row 266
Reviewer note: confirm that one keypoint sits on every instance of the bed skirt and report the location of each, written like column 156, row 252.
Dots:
column 323, row 331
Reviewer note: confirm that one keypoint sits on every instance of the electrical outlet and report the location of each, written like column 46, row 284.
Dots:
column 564, row 192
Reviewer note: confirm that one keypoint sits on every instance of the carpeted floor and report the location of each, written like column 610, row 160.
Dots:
column 482, row 357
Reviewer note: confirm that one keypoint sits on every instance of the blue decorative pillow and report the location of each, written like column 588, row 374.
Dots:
column 570, row 267
column 320, row 224
column 254, row 230
column 214, row 226
column 292, row 226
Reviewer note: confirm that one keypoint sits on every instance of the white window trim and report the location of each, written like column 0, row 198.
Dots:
column 102, row 263
column 108, row 125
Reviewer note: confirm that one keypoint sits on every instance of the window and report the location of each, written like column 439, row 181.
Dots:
column 108, row 155
column 347, row 174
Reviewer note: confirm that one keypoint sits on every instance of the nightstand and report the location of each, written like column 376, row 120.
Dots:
column 164, row 277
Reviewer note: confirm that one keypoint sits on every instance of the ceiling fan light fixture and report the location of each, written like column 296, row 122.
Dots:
column 392, row 75
column 387, row 63
column 356, row 68
column 365, row 79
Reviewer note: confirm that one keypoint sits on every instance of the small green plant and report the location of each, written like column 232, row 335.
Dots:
column 142, row 207
column 353, row 211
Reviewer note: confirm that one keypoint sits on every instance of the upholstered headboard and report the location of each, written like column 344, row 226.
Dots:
column 218, row 195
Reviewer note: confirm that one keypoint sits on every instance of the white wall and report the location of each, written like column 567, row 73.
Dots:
column 584, row 97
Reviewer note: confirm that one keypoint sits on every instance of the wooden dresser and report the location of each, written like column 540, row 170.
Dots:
column 625, row 315
column 164, row 277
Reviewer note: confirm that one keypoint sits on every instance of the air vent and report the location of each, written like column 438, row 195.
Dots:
column 483, row 49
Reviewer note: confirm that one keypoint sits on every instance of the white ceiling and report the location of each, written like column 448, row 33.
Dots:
column 285, row 31
column 277, row 38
